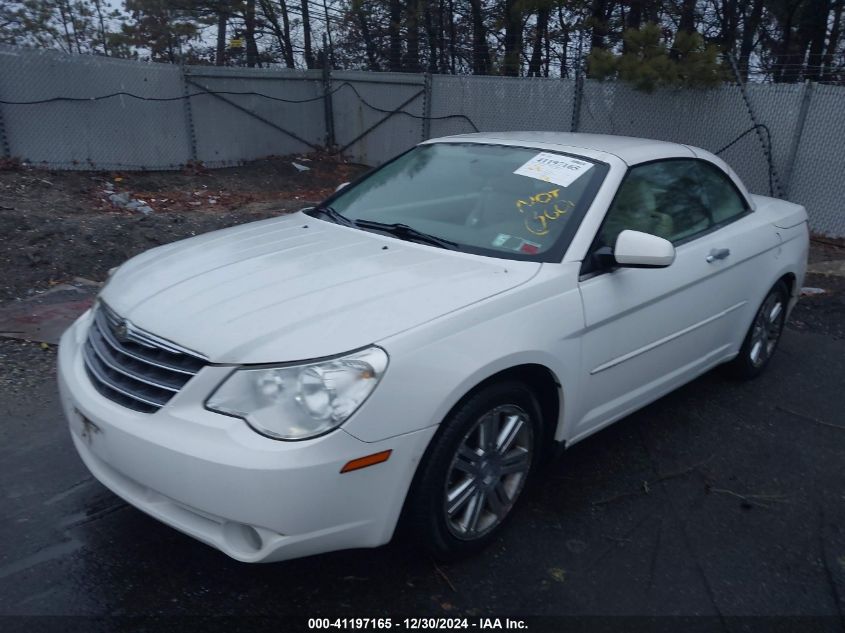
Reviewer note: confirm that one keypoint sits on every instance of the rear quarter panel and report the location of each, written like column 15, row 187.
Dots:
column 791, row 226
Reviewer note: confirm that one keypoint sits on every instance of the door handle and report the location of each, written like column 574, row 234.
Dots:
column 717, row 253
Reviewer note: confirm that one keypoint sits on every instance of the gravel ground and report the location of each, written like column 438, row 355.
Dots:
column 23, row 365
column 824, row 313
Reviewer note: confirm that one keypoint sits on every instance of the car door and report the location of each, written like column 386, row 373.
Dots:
column 650, row 330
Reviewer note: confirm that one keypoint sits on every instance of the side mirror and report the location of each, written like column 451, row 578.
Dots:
column 340, row 186
column 643, row 250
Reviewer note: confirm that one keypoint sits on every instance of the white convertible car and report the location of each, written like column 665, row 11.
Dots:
column 420, row 342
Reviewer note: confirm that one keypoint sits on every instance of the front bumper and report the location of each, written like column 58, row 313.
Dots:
column 213, row 478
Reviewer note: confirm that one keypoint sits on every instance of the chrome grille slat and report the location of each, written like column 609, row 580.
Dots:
column 134, row 370
column 112, row 363
column 108, row 382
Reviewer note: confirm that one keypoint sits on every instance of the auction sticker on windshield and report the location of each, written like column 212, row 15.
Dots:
column 561, row 170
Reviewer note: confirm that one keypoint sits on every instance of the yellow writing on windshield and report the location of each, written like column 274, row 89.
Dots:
column 538, row 198
column 543, row 208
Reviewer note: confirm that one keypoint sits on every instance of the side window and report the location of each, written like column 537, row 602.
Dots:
column 663, row 198
column 720, row 194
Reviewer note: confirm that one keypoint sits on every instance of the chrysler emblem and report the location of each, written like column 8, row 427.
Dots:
column 121, row 331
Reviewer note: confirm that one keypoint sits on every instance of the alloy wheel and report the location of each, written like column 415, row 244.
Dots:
column 768, row 325
column 488, row 472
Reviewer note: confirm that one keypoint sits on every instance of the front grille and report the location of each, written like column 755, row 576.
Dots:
column 133, row 368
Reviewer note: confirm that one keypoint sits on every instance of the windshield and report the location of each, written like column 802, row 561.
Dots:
column 495, row 200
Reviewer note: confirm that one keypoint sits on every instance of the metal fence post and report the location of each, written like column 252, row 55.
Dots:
column 328, row 104
column 796, row 136
column 4, row 139
column 576, row 101
column 189, row 117
column 426, row 122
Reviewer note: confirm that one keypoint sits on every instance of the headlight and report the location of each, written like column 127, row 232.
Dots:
column 301, row 401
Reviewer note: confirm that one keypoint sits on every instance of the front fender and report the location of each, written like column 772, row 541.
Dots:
column 433, row 366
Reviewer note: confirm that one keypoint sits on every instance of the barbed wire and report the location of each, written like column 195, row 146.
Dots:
column 320, row 97
column 164, row 99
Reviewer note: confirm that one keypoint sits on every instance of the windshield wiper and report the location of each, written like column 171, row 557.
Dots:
column 403, row 231
column 333, row 215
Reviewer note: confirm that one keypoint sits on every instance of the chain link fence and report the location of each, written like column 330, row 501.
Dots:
column 76, row 132
column 818, row 170
column 495, row 104
column 83, row 112
column 707, row 119
column 237, row 114
column 376, row 115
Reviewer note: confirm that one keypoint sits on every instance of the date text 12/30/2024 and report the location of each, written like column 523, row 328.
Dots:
column 413, row 624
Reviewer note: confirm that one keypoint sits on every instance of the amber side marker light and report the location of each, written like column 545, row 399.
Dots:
column 363, row 462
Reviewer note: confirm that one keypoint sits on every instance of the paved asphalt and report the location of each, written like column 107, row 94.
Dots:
column 722, row 499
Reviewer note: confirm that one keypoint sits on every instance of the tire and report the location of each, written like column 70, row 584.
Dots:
column 474, row 472
column 763, row 336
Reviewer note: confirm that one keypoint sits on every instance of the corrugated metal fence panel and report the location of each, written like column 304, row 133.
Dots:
column 495, row 104
column 119, row 132
column 360, row 102
column 818, row 179
column 227, row 134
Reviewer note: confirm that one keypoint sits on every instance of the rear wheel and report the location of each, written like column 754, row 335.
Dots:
column 763, row 336
column 476, row 470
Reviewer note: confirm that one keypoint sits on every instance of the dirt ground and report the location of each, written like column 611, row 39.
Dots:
column 56, row 225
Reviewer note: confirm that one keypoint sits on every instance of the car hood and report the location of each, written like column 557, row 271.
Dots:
column 296, row 287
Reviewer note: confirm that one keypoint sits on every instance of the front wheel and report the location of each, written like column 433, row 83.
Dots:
column 476, row 470
column 763, row 336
